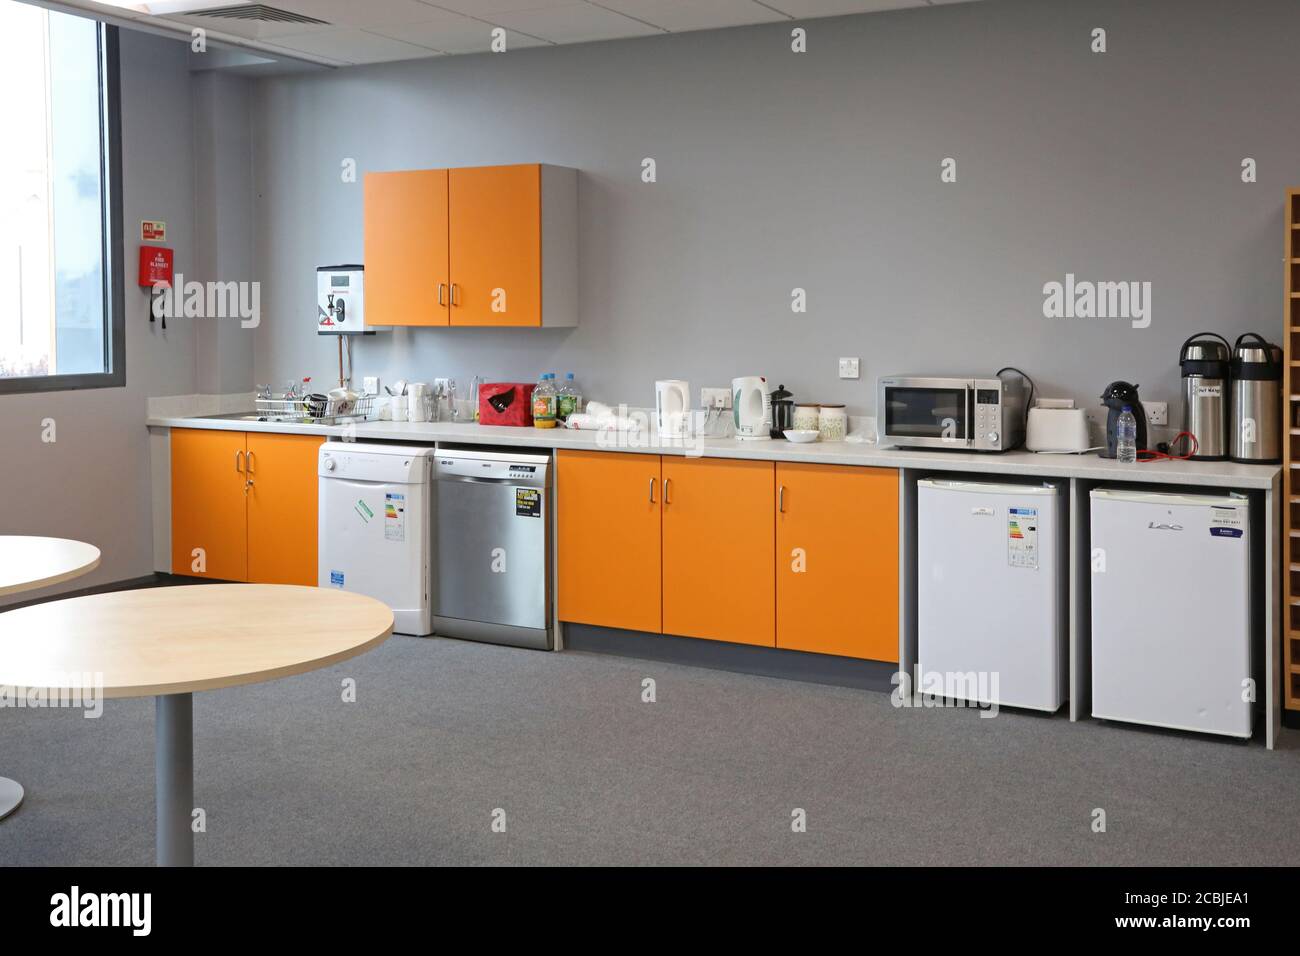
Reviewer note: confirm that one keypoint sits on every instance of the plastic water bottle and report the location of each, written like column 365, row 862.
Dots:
column 568, row 398
column 1126, row 431
column 544, row 402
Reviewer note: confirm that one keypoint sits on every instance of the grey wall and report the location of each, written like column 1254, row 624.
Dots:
column 92, row 482
column 821, row 170
column 223, row 208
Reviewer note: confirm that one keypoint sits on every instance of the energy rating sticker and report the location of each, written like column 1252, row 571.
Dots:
column 1022, row 538
column 394, row 517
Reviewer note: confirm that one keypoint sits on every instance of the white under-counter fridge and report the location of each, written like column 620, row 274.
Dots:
column 992, row 596
column 1171, row 610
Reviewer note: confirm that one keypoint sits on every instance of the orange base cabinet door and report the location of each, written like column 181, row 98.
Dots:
column 208, row 512
column 837, row 560
column 495, row 229
column 282, row 513
column 406, row 248
column 718, row 550
column 608, row 519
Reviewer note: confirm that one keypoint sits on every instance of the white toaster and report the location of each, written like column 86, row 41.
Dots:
column 1055, row 425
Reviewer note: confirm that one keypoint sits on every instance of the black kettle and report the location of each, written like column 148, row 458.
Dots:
column 1115, row 397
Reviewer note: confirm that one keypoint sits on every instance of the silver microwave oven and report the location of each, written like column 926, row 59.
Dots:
column 966, row 414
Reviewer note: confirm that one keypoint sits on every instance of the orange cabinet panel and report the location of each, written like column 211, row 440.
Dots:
column 837, row 560
column 608, row 521
column 406, row 248
column 208, row 503
column 282, row 502
column 719, row 579
column 495, row 228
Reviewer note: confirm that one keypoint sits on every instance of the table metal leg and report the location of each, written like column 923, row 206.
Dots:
column 174, row 778
column 11, row 795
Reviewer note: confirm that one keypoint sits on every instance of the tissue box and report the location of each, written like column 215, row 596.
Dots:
column 505, row 403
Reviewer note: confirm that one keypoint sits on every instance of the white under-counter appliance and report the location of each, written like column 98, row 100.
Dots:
column 970, row 414
column 493, row 546
column 375, row 526
column 992, row 591
column 1171, row 610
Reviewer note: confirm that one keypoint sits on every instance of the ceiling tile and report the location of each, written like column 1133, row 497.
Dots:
column 452, row 33
column 362, row 14
column 835, row 8
column 486, row 8
column 353, row 46
column 574, row 23
column 681, row 15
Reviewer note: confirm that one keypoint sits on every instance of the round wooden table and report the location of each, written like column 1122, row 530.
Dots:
column 168, row 643
column 28, row 563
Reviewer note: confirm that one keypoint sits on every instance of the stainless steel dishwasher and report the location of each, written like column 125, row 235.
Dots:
column 492, row 573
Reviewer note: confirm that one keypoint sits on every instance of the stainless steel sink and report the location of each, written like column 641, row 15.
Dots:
column 235, row 417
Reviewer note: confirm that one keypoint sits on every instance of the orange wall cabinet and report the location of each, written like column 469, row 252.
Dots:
column 406, row 279
column 837, row 560
column 608, row 521
column 248, row 501
column 483, row 246
column 282, row 513
column 718, row 550
column 208, row 538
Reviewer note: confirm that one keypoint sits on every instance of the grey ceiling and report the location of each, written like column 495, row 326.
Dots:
column 374, row 31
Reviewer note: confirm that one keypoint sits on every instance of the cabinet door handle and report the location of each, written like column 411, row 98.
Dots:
column 252, row 460
column 780, row 500
column 239, row 462
column 455, row 287
column 668, row 483
column 442, row 293
column 652, row 490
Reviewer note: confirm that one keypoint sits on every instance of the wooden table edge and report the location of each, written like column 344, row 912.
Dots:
column 52, row 579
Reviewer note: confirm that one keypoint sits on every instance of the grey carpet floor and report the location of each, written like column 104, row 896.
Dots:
column 444, row 733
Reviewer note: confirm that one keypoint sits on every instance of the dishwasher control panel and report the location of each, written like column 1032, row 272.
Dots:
column 509, row 467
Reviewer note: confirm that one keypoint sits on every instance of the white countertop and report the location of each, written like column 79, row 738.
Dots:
column 1022, row 463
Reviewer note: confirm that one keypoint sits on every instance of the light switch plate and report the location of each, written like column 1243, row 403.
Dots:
column 370, row 385
column 715, row 398
column 848, row 368
column 1157, row 412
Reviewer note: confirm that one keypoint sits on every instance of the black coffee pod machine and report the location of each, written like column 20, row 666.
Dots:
column 1115, row 397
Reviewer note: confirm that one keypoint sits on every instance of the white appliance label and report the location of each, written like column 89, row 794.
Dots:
column 1022, row 538
column 982, row 511
column 394, row 517
column 1227, row 523
column 1209, row 391
column 364, row 511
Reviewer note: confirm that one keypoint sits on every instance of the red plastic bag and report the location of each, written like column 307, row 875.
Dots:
column 505, row 403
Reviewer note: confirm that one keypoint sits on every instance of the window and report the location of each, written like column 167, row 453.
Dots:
column 61, row 322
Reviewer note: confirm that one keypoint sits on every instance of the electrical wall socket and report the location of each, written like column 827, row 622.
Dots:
column 848, row 368
column 715, row 398
column 1157, row 412
column 370, row 385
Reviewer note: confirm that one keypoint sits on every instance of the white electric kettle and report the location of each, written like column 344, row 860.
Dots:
column 672, row 406
column 751, row 408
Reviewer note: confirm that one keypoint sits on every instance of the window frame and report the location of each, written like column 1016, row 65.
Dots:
column 111, row 228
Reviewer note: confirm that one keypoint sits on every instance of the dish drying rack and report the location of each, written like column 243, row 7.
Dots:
column 316, row 411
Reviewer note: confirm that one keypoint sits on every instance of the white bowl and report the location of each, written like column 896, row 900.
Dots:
column 800, row 435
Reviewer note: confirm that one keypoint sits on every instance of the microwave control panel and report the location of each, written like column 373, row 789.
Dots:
column 987, row 427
